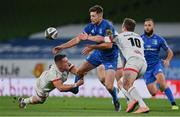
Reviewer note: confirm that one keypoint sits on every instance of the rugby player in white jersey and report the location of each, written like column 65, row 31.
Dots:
column 131, row 46
column 51, row 79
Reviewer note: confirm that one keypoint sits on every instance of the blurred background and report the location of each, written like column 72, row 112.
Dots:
column 25, row 53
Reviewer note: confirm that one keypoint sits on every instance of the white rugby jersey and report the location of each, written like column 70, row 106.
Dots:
column 130, row 44
column 45, row 82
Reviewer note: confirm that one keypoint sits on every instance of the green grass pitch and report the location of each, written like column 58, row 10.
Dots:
column 73, row 106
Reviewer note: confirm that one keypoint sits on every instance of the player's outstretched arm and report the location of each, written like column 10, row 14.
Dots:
column 65, row 87
column 102, row 46
column 69, row 44
column 97, row 38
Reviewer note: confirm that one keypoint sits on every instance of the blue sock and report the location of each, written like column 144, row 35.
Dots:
column 169, row 94
column 76, row 79
column 114, row 94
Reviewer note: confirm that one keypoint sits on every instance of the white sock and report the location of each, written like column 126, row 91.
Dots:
column 28, row 100
column 127, row 95
column 135, row 95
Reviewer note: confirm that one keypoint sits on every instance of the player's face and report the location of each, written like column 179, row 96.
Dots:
column 95, row 17
column 63, row 64
column 148, row 26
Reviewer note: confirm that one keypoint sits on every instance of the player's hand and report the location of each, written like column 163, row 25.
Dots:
column 83, row 36
column 57, row 49
column 166, row 63
column 87, row 50
column 80, row 82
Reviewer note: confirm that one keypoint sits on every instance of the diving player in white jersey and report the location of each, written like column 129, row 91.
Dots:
column 131, row 46
column 51, row 79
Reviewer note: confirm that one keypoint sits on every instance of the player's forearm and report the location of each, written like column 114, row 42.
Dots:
column 96, row 38
column 66, row 87
column 71, row 43
column 169, row 55
column 74, row 70
column 102, row 46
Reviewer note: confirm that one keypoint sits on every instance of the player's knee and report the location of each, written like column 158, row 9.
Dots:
column 126, row 84
column 41, row 100
column 119, row 74
column 153, row 92
column 119, row 84
column 109, row 87
column 163, row 86
column 101, row 68
column 102, row 81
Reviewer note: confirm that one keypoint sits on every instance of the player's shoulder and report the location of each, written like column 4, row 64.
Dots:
column 136, row 34
column 128, row 33
column 89, row 25
column 143, row 35
column 107, row 23
column 53, row 70
column 158, row 37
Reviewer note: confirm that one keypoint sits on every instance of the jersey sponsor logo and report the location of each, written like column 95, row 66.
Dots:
column 154, row 42
column 108, row 32
column 160, row 70
column 110, row 66
column 152, row 49
column 92, row 31
column 148, row 47
column 100, row 31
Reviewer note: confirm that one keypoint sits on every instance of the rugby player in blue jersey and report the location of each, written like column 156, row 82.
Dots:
column 104, row 54
column 154, row 73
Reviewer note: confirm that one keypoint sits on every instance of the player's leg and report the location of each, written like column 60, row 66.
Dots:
column 119, row 78
column 23, row 102
column 133, row 71
column 106, row 82
column 152, row 88
column 92, row 61
column 101, row 73
column 109, row 83
column 163, row 86
column 129, row 78
column 118, row 75
column 119, row 71
column 82, row 70
column 150, row 81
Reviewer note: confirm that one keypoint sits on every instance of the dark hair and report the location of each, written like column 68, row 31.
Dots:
column 59, row 57
column 149, row 19
column 97, row 8
column 129, row 24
